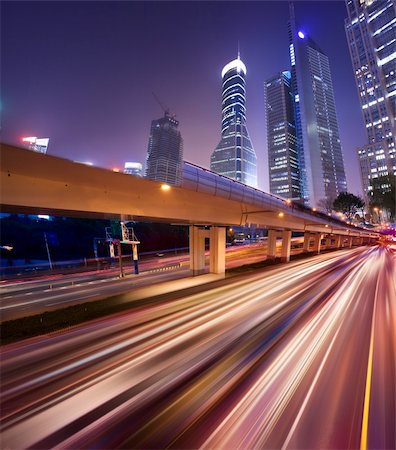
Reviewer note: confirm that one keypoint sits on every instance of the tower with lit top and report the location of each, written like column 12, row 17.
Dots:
column 322, row 172
column 234, row 156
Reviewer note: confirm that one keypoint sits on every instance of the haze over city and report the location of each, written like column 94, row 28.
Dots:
column 237, row 294
column 83, row 73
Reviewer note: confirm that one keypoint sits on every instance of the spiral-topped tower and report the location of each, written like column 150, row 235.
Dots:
column 234, row 157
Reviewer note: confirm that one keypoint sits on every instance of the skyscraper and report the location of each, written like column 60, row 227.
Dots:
column 234, row 156
column 371, row 33
column 165, row 151
column 281, row 137
column 319, row 149
column 39, row 145
column 133, row 168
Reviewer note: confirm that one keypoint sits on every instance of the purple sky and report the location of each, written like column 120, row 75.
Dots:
column 82, row 73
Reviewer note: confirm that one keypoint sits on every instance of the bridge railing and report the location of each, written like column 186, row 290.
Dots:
column 202, row 180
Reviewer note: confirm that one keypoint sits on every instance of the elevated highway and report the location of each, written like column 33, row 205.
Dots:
column 35, row 183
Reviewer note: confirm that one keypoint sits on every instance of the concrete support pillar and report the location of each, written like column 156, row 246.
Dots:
column 362, row 240
column 328, row 242
column 197, row 250
column 317, row 239
column 286, row 245
column 271, row 244
column 350, row 241
column 307, row 238
column 339, row 241
column 217, row 250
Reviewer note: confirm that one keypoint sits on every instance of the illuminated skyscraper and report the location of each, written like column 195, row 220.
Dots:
column 371, row 33
column 234, row 157
column 133, row 168
column 281, row 137
column 165, row 151
column 318, row 142
column 39, row 145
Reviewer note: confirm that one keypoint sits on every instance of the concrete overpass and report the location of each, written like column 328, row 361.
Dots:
column 34, row 183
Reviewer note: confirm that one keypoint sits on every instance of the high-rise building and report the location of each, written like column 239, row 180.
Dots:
column 39, row 145
column 133, row 168
column 371, row 33
column 322, row 170
column 165, row 151
column 234, row 156
column 281, row 137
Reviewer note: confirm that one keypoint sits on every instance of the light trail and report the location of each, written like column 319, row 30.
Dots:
column 366, row 408
column 259, row 362
column 13, row 305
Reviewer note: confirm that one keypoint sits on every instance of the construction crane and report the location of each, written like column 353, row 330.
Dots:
column 163, row 107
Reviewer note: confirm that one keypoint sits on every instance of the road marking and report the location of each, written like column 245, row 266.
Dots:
column 366, row 409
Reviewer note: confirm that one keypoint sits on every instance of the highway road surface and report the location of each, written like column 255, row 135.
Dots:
column 48, row 292
column 300, row 356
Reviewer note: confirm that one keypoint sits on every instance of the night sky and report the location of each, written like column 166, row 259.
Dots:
column 82, row 73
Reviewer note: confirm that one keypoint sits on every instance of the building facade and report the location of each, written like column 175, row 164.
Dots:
column 39, row 145
column 234, row 156
column 133, row 168
column 322, row 172
column 165, row 151
column 371, row 34
column 283, row 164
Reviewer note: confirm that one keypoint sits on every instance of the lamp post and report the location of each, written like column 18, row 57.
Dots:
column 375, row 209
column 122, row 274
column 48, row 252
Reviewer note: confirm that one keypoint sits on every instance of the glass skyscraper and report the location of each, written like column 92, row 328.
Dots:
column 133, row 168
column 322, row 171
column 281, row 137
column 234, row 157
column 371, row 33
column 165, row 151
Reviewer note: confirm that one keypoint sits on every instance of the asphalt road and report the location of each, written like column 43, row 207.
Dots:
column 299, row 356
column 49, row 292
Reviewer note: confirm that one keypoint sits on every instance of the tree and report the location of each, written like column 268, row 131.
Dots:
column 348, row 203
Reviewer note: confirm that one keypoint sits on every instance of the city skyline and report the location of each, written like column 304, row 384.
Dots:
column 113, row 131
